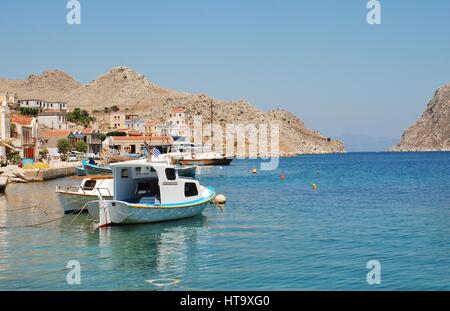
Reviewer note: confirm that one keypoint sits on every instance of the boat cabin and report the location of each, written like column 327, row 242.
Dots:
column 152, row 184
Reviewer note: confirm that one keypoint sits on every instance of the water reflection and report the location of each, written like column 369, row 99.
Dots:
column 39, row 254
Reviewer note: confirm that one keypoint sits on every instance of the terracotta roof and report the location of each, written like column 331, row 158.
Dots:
column 88, row 131
column 22, row 120
column 51, row 112
column 151, row 139
column 179, row 109
column 134, row 133
column 56, row 133
column 151, row 122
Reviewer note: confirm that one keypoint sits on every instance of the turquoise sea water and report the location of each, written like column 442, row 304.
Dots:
column 271, row 235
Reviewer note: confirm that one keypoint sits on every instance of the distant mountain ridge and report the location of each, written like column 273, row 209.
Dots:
column 432, row 131
column 131, row 91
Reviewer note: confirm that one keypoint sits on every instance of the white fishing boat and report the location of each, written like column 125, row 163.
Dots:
column 146, row 192
column 74, row 198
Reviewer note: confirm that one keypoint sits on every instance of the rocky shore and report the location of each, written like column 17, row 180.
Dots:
column 432, row 131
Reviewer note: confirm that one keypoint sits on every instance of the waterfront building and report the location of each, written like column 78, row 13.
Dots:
column 24, row 135
column 5, row 128
column 122, row 145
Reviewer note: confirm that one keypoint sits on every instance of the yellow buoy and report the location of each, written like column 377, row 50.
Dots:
column 220, row 199
column 254, row 171
column 314, row 187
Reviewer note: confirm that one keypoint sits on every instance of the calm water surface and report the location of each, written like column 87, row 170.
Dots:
column 272, row 234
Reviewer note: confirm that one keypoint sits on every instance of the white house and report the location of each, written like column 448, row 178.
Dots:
column 136, row 124
column 32, row 103
column 53, row 119
column 176, row 124
column 42, row 104
column 5, row 127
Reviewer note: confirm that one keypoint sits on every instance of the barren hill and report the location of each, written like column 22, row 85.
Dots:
column 133, row 92
column 432, row 131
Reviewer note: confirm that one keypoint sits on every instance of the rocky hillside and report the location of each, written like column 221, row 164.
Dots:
column 131, row 91
column 432, row 131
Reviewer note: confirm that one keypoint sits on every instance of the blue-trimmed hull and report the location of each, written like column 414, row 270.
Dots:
column 117, row 212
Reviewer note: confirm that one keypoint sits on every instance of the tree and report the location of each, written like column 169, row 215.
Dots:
column 81, row 117
column 63, row 146
column 81, row 146
column 115, row 108
column 116, row 134
column 26, row 111
column 102, row 136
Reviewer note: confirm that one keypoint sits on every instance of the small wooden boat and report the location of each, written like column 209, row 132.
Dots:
column 146, row 192
column 73, row 198
column 94, row 169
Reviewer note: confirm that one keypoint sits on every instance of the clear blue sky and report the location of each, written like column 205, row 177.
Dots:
column 318, row 59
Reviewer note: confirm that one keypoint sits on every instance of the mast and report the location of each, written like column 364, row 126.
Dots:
column 212, row 133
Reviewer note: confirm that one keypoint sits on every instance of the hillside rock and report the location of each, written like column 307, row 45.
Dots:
column 131, row 91
column 432, row 131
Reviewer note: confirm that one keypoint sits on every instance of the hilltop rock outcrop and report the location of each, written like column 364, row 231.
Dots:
column 432, row 131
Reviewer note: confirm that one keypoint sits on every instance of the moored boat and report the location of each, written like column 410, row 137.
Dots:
column 80, row 171
column 146, row 192
column 94, row 169
column 190, row 154
column 74, row 198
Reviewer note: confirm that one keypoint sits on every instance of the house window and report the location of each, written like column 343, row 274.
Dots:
column 190, row 189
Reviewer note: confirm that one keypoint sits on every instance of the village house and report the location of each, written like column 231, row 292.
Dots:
column 49, row 139
column 24, row 135
column 136, row 124
column 150, row 128
column 93, row 140
column 9, row 98
column 123, row 145
column 41, row 105
column 5, row 129
column 117, row 120
column 53, row 119
column 176, row 125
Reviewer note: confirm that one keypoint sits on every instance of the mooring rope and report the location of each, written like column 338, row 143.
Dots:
column 34, row 225
column 18, row 209
column 79, row 212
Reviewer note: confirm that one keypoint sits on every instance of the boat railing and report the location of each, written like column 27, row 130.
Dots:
column 73, row 189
